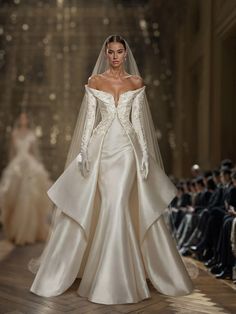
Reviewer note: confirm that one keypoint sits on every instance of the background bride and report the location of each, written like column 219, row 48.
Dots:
column 23, row 199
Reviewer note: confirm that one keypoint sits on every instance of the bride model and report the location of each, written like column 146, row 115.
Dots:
column 23, row 186
column 109, row 229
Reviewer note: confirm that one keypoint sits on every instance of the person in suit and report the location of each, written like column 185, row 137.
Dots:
column 215, row 220
column 216, row 200
column 226, row 259
column 190, row 220
column 179, row 206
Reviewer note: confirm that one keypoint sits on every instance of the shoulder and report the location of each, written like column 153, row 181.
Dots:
column 94, row 80
column 137, row 81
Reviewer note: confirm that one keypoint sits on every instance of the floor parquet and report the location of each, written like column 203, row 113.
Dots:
column 210, row 295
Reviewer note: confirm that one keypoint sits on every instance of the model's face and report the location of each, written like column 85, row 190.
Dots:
column 193, row 188
column 216, row 179
column 179, row 192
column 115, row 53
column 199, row 187
column 23, row 120
column 225, row 178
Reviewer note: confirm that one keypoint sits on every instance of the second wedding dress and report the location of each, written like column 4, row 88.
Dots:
column 23, row 198
column 110, row 230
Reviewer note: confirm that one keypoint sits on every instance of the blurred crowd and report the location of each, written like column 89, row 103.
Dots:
column 203, row 218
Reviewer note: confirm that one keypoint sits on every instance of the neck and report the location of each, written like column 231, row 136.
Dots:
column 116, row 72
column 23, row 128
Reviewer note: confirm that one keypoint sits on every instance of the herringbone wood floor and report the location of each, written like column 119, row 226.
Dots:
column 210, row 295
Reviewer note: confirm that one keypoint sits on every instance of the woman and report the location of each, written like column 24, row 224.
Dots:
column 108, row 229
column 24, row 202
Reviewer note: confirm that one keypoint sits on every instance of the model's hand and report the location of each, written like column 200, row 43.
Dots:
column 144, row 166
column 83, row 163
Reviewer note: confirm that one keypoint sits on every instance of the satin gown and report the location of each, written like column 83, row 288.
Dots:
column 114, row 264
column 23, row 198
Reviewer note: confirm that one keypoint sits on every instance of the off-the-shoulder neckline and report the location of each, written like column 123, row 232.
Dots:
column 129, row 91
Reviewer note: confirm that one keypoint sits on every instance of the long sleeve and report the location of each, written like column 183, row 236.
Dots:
column 89, row 121
column 137, row 121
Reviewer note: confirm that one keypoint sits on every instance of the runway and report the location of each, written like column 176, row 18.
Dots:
column 210, row 295
column 48, row 49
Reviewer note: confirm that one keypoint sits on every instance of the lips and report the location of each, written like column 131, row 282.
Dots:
column 115, row 61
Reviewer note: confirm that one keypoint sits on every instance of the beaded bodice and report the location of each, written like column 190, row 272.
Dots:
column 23, row 144
column 128, row 106
column 110, row 109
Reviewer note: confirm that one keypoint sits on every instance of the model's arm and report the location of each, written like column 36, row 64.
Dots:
column 137, row 121
column 87, row 131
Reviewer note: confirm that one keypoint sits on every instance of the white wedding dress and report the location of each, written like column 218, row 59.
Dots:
column 111, row 232
column 23, row 198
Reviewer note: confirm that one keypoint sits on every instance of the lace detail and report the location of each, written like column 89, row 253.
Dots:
column 124, row 113
column 137, row 121
column 89, row 122
column 109, row 111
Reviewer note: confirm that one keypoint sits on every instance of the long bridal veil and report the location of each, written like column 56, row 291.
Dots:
column 130, row 67
column 148, row 125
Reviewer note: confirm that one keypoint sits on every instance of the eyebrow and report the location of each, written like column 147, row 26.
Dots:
column 117, row 49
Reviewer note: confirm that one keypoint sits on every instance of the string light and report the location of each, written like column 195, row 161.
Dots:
column 44, row 51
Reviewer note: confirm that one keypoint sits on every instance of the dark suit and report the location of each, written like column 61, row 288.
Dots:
column 179, row 202
column 224, row 249
column 216, row 219
column 202, row 200
column 216, row 199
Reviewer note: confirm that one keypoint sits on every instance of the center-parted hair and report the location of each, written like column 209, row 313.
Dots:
column 115, row 39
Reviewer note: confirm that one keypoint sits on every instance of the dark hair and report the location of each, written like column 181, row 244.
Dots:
column 225, row 170
column 226, row 163
column 180, row 187
column 115, row 39
column 216, row 173
column 211, row 184
column 199, row 180
column 187, row 182
column 207, row 174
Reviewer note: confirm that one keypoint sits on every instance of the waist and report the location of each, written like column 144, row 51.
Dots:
column 118, row 124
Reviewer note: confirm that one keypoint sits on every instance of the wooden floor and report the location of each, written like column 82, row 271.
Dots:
column 210, row 295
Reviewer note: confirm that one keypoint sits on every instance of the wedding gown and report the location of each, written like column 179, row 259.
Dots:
column 111, row 232
column 23, row 198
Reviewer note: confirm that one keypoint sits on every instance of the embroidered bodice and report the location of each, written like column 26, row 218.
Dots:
column 128, row 105
column 23, row 144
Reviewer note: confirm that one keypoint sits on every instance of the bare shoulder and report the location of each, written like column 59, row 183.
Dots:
column 94, row 80
column 137, row 81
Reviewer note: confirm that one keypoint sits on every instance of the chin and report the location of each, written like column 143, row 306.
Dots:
column 117, row 65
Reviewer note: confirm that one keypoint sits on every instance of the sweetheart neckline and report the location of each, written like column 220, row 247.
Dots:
column 116, row 103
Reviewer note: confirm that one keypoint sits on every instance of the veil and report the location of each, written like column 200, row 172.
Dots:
column 130, row 67
column 148, row 127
